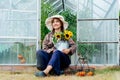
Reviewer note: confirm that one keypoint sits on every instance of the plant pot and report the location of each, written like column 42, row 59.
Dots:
column 60, row 45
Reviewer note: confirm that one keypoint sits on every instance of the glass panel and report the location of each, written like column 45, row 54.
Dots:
column 10, row 52
column 59, row 8
column 4, row 4
column 16, row 21
column 97, row 31
column 98, row 9
column 4, row 40
column 4, row 15
column 99, row 53
column 71, row 4
column 52, row 1
column 18, row 28
column 23, row 15
column 56, row 3
column 24, row 4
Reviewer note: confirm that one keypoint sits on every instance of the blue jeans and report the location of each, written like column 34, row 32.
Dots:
column 58, row 60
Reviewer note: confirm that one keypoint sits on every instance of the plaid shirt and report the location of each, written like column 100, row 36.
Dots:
column 49, row 46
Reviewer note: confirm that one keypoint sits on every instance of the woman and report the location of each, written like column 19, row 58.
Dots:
column 49, row 59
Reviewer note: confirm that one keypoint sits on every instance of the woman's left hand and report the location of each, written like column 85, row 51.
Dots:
column 66, row 51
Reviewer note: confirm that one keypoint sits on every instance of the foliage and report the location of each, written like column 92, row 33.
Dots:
column 28, row 52
column 87, row 50
column 45, row 10
column 110, row 69
column 11, row 54
column 71, row 19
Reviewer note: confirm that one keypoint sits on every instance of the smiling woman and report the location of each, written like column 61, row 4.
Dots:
column 54, row 57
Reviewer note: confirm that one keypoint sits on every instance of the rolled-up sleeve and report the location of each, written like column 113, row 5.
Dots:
column 72, row 46
column 47, row 43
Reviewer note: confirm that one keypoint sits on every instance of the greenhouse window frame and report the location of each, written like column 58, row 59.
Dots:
column 21, row 39
column 92, row 42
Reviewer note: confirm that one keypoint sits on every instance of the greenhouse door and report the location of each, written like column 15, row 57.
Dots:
column 19, row 31
column 98, row 31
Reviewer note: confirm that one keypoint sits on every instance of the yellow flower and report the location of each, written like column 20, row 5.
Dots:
column 70, row 33
column 57, row 35
column 67, row 36
column 65, row 31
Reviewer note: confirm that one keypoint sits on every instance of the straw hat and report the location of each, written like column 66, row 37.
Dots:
column 48, row 22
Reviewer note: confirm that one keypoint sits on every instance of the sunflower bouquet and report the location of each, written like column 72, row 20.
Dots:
column 61, row 39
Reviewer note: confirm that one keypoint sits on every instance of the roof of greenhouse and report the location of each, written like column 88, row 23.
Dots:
column 61, row 5
column 100, row 9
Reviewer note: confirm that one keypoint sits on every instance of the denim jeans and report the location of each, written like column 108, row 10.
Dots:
column 58, row 60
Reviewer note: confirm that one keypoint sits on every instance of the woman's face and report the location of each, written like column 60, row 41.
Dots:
column 56, row 24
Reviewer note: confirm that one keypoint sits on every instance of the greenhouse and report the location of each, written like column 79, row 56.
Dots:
column 95, row 25
column 18, row 30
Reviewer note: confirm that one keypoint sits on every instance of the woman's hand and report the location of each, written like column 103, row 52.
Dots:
column 66, row 51
column 50, row 50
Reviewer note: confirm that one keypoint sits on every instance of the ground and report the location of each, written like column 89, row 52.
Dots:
column 30, row 76
column 104, row 74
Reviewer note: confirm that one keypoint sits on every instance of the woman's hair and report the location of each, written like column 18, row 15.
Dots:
column 62, row 28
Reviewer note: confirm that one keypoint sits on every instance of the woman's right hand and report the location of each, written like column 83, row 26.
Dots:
column 50, row 50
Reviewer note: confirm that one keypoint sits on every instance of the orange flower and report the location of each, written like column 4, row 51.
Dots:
column 90, row 73
column 82, row 73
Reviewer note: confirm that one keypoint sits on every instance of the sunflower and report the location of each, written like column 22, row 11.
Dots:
column 65, row 31
column 67, row 34
column 70, row 33
column 58, row 35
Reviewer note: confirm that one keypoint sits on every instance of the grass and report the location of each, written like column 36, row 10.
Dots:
column 108, row 70
column 110, row 73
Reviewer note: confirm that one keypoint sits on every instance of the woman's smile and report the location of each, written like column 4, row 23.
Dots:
column 56, row 24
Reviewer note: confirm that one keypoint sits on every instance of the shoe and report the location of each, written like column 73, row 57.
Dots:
column 62, row 72
column 52, row 72
column 40, row 74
